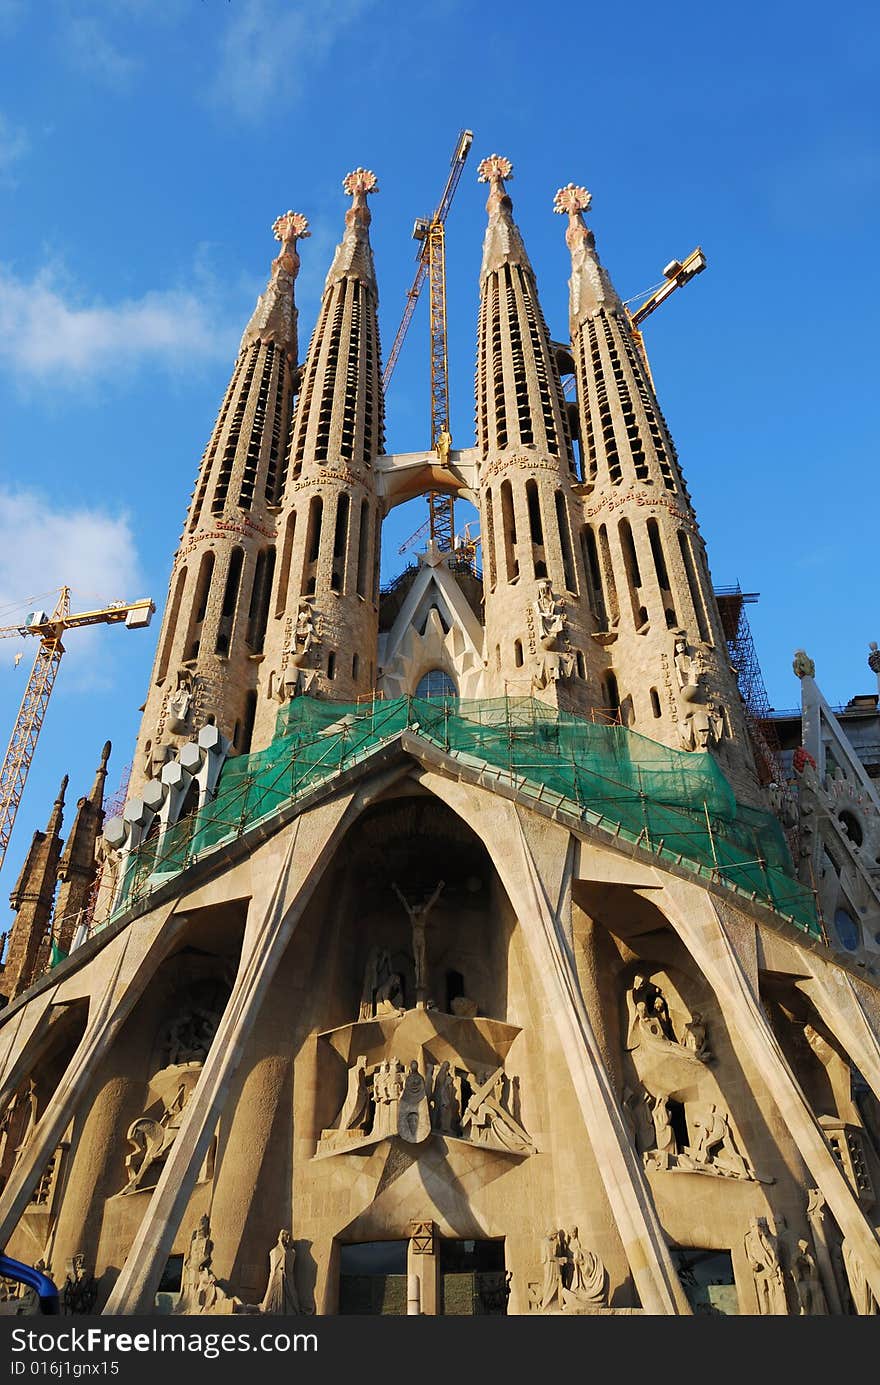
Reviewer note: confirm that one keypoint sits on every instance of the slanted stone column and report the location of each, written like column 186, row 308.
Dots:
column 723, row 948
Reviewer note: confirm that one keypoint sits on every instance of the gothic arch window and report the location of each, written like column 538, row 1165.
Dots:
column 436, row 683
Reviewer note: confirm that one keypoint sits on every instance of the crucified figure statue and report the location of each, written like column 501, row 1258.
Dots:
column 418, row 916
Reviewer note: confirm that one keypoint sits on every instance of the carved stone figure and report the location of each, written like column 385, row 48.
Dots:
column 418, row 917
column 687, row 669
column 304, row 634
column 585, row 1278
column 664, row 1135
column 281, row 1295
column 702, row 726
column 715, row 1143
column 803, row 665
column 442, row 446
column 860, row 1290
column 80, row 1286
column 190, row 1035
column 807, row 1285
column 694, row 1037
column 31, row 1121
column 486, row 1119
column 635, row 1111
column 444, row 1101
column 199, row 1289
column 649, row 1012
column 763, row 1258
column 151, row 1137
column 382, row 991
column 355, row 1108
column 180, row 703
column 413, row 1112
column 552, row 1261
column 549, row 615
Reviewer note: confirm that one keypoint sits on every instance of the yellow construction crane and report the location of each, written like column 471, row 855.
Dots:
column 49, row 631
column 432, row 264
column 676, row 273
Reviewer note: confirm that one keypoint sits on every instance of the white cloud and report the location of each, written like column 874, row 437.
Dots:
column 43, row 329
column 88, row 48
column 14, row 144
column 46, row 547
column 270, row 47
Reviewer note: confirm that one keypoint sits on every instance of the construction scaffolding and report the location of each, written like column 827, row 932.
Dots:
column 732, row 602
column 676, row 804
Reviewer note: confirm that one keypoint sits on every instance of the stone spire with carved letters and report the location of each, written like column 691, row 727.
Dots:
column 214, row 625
column 668, row 675
column 538, row 620
column 323, row 623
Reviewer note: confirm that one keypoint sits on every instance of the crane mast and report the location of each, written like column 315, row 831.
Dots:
column 28, row 724
column 432, row 265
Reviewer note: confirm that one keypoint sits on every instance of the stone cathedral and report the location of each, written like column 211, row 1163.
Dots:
column 450, row 953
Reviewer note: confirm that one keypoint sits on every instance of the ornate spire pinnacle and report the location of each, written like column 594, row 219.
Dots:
column 354, row 256
column 589, row 285
column 97, row 792
column 503, row 243
column 274, row 317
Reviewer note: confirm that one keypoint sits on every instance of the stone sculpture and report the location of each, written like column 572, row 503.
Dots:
column 650, row 1012
column 413, row 1113
column 763, row 1258
column 569, row 1279
column 356, row 1106
column 418, row 917
column 807, row 1284
column 714, row 1144
column 281, row 1295
column 445, row 1101
column 860, row 1290
column 80, row 1286
column 487, row 1118
column 382, row 991
column 549, row 615
column 200, row 1292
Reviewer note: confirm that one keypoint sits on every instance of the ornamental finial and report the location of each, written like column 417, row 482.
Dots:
column 360, row 181
column 290, row 226
column 494, row 169
column 572, row 199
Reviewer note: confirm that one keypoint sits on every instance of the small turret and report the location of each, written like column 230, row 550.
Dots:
column 32, row 901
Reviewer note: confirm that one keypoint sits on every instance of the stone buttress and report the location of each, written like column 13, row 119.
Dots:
column 323, row 619
column 668, row 674
column 214, row 626
column 538, row 615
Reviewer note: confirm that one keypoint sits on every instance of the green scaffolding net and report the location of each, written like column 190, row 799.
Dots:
column 677, row 804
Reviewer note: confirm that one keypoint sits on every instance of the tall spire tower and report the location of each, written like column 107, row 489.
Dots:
column 214, row 626
column 76, row 869
column 323, row 622
column 537, row 603
column 669, row 674
column 32, row 901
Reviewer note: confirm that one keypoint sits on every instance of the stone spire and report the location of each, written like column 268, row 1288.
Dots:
column 538, row 621
column 502, row 243
column 77, row 867
column 324, row 609
column 32, row 901
column 590, row 287
column 275, row 316
column 354, row 254
column 668, row 674
column 218, row 605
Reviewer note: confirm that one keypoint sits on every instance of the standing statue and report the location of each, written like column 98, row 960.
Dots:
column 418, row 916
column 444, row 1101
column 550, row 612
column 860, row 1290
column 666, row 1143
column 551, row 1262
column 357, row 1099
column 413, row 1113
column 80, row 1286
column 807, row 1285
column 281, row 1295
column 761, row 1252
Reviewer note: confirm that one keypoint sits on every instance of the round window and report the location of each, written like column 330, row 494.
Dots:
column 847, row 929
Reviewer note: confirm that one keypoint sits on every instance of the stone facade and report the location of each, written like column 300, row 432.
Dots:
column 407, row 1030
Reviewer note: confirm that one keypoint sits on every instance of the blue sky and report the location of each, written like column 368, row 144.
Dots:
column 146, row 149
